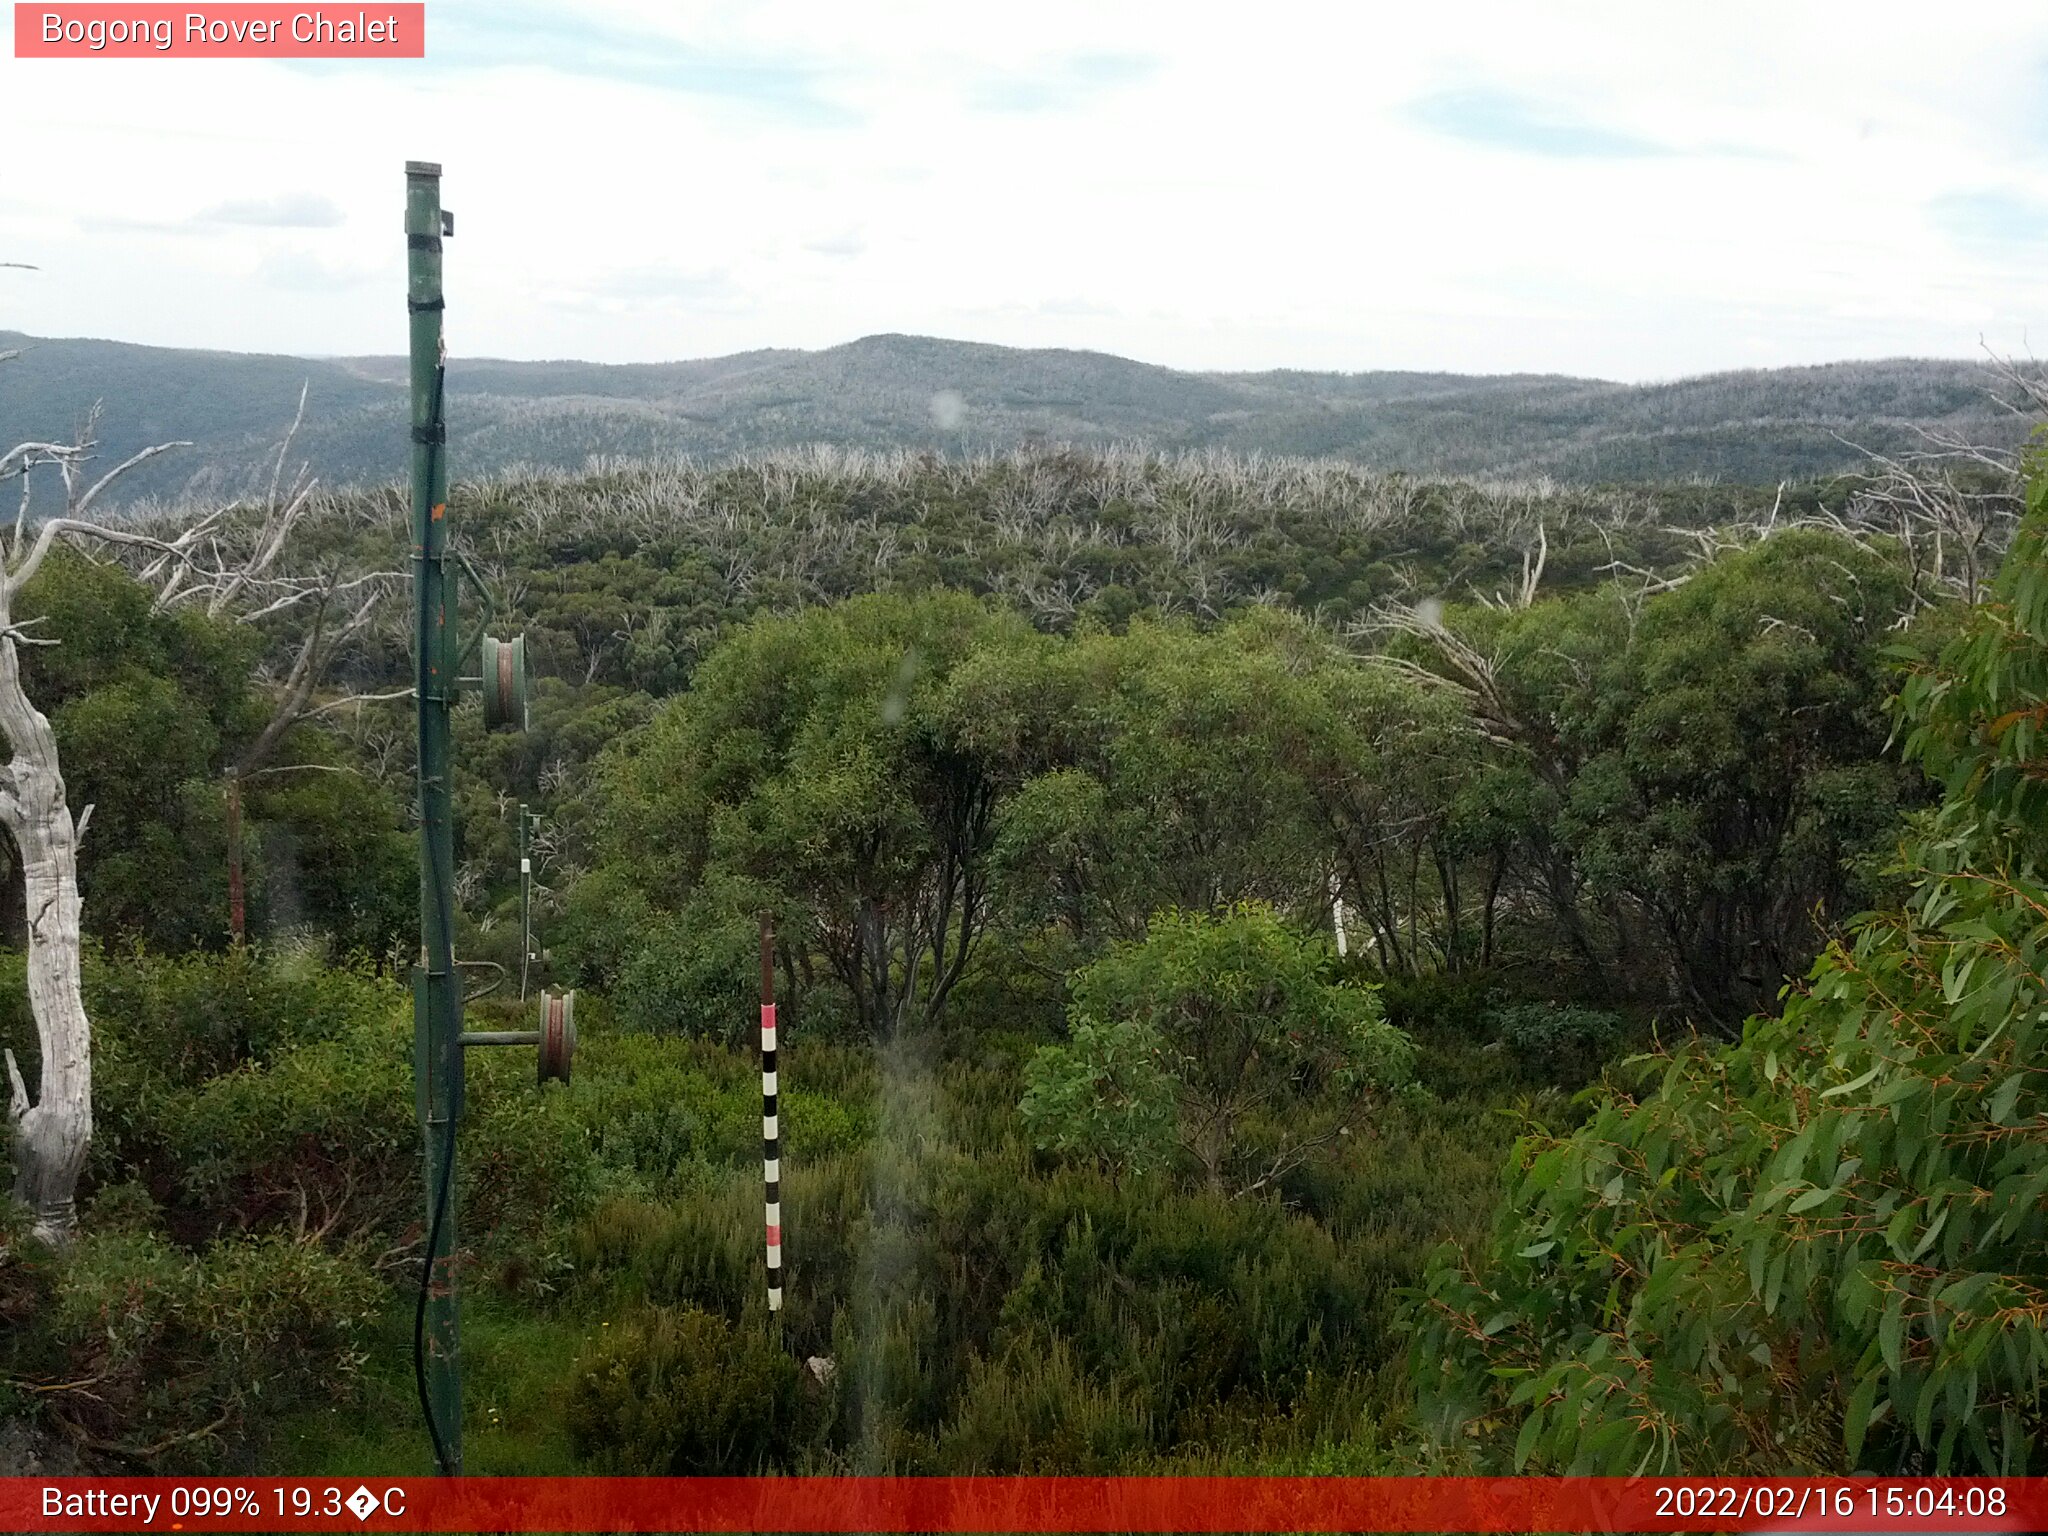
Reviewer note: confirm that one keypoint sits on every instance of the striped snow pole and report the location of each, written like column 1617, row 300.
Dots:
column 771, row 1131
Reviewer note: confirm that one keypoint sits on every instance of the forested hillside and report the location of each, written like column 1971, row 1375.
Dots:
column 888, row 392
column 1201, row 888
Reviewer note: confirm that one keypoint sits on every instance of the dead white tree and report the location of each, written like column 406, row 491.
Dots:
column 53, row 1129
column 1947, row 507
column 1950, row 507
column 226, row 566
column 1533, row 558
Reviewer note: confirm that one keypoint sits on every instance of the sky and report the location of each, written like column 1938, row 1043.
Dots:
column 1621, row 190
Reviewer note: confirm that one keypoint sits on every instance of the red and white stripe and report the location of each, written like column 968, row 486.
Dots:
column 771, row 1156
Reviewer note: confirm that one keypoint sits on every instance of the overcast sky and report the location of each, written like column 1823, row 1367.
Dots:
column 1621, row 189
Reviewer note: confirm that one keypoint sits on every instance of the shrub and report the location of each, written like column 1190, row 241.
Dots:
column 657, row 1112
column 322, row 1140
column 1563, row 1042
column 704, row 1250
column 1180, row 1038
column 323, row 1137
column 678, row 1392
column 1103, row 1096
column 163, row 1024
column 1035, row 1410
column 696, row 971
column 176, row 1351
column 1439, row 1004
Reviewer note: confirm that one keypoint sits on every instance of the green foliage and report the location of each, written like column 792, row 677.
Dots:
column 679, row 1393
column 1171, row 767
column 1823, row 1245
column 330, row 852
column 1707, row 771
column 696, row 971
column 323, row 1139
column 145, row 706
column 821, row 761
column 657, row 1113
column 1104, row 1095
column 985, row 1317
column 147, row 1351
column 985, row 1311
column 274, row 1094
column 149, row 708
column 964, row 730
column 165, row 1025
column 1561, row 1041
column 1130, row 806
column 1036, row 1409
column 320, row 1135
column 1209, row 1019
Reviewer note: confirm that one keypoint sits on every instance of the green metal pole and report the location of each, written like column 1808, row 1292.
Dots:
column 525, row 900
column 437, row 996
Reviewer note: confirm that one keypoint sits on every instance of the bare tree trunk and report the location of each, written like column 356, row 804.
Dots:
column 52, row 1133
column 238, row 912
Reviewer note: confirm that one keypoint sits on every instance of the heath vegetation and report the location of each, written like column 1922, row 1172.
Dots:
column 1281, row 968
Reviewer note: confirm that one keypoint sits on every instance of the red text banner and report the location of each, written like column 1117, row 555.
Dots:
column 375, row 31
column 1023, row 1504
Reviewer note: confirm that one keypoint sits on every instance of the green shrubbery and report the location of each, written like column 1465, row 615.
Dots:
column 993, row 1312
column 1561, row 1041
column 164, row 1024
column 679, row 1392
column 983, row 1307
column 1186, row 1251
column 1821, row 1246
column 137, row 1348
column 1036, row 1408
column 1179, row 1041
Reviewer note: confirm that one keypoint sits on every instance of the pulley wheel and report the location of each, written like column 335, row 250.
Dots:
column 557, row 1035
column 504, row 682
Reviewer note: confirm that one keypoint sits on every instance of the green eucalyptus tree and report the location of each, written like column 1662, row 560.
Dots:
column 1820, row 1248
column 820, row 764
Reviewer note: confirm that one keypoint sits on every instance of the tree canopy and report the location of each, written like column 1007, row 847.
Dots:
column 1825, row 1242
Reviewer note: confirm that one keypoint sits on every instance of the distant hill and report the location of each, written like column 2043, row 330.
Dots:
column 1752, row 427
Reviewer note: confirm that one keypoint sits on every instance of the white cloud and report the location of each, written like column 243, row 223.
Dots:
column 1203, row 186
column 289, row 210
column 848, row 242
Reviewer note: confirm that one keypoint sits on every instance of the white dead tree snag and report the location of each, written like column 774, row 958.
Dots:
column 52, row 1129
column 228, row 569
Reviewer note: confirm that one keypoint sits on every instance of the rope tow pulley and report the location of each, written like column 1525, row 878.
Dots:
column 557, row 1035
column 503, row 682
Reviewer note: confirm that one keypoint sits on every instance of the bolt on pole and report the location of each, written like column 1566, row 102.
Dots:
column 437, row 987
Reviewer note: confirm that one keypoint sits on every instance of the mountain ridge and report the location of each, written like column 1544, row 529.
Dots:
column 893, row 390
